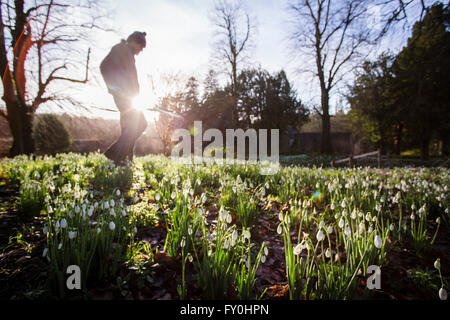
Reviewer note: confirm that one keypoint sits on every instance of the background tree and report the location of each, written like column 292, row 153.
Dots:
column 268, row 101
column 234, row 32
column 40, row 35
column 332, row 34
column 51, row 135
column 422, row 77
column 372, row 113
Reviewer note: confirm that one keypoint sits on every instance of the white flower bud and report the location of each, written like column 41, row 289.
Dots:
column 320, row 235
column 378, row 242
column 442, row 294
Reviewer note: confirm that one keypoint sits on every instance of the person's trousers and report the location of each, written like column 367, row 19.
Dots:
column 132, row 125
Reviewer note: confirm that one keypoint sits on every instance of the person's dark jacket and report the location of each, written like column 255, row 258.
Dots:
column 119, row 71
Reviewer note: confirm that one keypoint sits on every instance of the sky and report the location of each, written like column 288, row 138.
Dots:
column 180, row 39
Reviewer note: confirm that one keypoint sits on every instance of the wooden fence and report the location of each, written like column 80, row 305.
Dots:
column 352, row 157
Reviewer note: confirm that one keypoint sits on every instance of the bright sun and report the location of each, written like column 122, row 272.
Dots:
column 146, row 99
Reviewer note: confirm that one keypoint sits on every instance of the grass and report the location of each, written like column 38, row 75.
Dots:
column 332, row 224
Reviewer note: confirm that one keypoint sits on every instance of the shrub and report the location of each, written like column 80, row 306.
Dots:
column 50, row 134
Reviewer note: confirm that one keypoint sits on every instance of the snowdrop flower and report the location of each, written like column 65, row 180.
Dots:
column 287, row 219
column 263, row 259
column 234, row 237
column 437, row 264
column 63, row 223
column 118, row 193
column 321, row 224
column 368, row 217
column 298, row 248
column 378, row 242
column 190, row 231
column 442, row 294
column 124, row 229
column 59, row 246
column 280, row 217
column 98, row 230
column 124, row 213
column 422, row 210
column 77, row 209
column 391, row 227
column 413, row 217
column 135, row 230
column 266, row 251
column 72, row 234
column 370, row 229
column 353, row 216
column 157, row 197
column 173, row 195
column 112, row 203
column 246, row 234
column 106, row 205
column 320, row 236
column 91, row 211
column 347, row 231
column 361, row 227
column 112, row 225
column 330, row 230
column 112, row 212
column 44, row 253
column 343, row 204
column 413, row 207
column 332, row 207
column 226, row 244
column 328, row 253
column 438, row 220
column 50, row 209
column 57, row 225
column 279, row 229
column 229, row 218
column 182, row 243
column 96, row 204
column 341, row 223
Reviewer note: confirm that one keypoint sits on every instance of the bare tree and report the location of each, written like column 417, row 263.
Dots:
column 332, row 34
column 170, row 86
column 41, row 41
column 234, row 33
column 393, row 12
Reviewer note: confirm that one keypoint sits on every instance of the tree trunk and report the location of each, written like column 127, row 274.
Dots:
column 21, row 123
column 398, row 139
column 326, row 127
column 445, row 146
column 234, row 115
column 425, row 148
